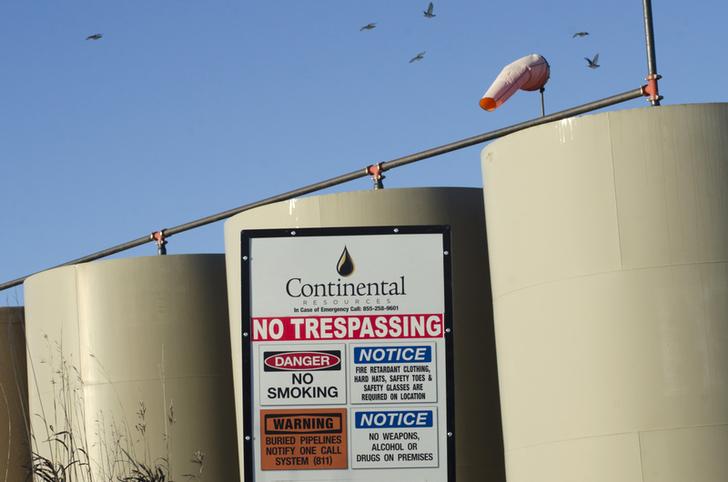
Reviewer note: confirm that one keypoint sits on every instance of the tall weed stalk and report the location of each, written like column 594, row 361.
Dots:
column 61, row 454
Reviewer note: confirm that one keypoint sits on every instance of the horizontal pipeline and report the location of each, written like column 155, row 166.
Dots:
column 335, row 181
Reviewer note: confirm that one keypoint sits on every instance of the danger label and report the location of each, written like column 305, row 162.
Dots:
column 303, row 439
column 296, row 376
column 276, row 361
column 393, row 374
column 405, row 438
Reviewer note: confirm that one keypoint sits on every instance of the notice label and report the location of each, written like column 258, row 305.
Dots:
column 303, row 439
column 298, row 375
column 393, row 373
column 404, row 438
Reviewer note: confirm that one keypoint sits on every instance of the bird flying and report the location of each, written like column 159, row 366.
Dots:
column 580, row 34
column 368, row 26
column 417, row 57
column 592, row 63
column 95, row 36
column 428, row 13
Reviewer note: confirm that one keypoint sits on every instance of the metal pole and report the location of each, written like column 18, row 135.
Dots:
column 652, row 75
column 335, row 181
column 543, row 107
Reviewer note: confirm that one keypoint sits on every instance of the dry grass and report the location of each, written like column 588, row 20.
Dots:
column 65, row 445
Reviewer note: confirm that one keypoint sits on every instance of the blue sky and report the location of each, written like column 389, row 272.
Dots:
column 186, row 108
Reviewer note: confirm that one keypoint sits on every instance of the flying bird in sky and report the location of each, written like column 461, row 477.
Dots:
column 368, row 26
column 580, row 34
column 428, row 13
column 592, row 63
column 417, row 57
column 95, row 36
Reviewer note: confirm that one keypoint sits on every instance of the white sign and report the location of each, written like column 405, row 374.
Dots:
column 385, row 437
column 294, row 375
column 393, row 373
column 347, row 341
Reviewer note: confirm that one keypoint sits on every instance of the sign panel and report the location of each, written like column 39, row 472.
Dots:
column 405, row 438
column 296, row 375
column 303, row 439
column 393, row 374
column 347, row 354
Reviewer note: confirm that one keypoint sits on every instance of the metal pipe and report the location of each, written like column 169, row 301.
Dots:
column 199, row 223
column 335, row 181
column 91, row 257
column 652, row 75
column 543, row 105
column 489, row 136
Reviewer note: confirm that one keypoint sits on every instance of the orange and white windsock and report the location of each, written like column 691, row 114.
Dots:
column 527, row 73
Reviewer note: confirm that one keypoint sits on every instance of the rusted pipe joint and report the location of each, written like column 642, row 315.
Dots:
column 375, row 171
column 161, row 240
column 651, row 90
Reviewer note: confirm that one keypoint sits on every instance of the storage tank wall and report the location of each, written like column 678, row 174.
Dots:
column 608, row 241
column 132, row 358
column 14, row 441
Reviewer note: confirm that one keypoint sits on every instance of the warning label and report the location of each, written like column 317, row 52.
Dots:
column 405, row 438
column 303, row 439
column 298, row 375
column 393, row 374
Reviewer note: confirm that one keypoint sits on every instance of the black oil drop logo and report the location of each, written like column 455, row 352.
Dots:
column 345, row 266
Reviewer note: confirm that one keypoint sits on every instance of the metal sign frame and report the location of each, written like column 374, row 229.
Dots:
column 247, row 343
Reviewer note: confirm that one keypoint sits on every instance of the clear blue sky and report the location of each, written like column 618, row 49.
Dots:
column 186, row 108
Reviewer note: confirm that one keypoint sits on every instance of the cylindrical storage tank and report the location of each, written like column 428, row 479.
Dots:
column 131, row 358
column 608, row 241
column 479, row 446
column 14, row 430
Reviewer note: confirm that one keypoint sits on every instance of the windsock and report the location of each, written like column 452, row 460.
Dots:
column 527, row 73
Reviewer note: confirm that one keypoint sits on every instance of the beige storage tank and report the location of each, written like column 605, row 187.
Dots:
column 479, row 446
column 14, row 431
column 132, row 358
column 608, row 241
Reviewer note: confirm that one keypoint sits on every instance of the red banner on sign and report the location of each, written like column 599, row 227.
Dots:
column 376, row 327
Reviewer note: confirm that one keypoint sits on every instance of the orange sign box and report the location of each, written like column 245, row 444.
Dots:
column 303, row 439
